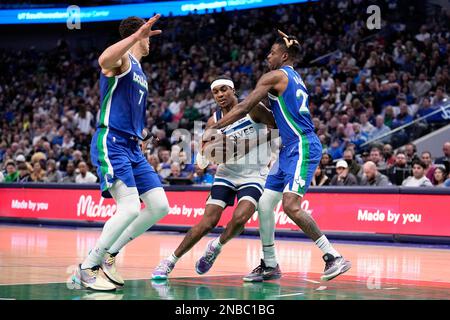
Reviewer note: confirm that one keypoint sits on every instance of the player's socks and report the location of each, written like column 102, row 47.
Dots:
column 173, row 258
column 270, row 258
column 216, row 243
column 326, row 246
column 156, row 208
column 94, row 257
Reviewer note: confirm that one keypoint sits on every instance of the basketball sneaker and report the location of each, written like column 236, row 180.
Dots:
column 334, row 266
column 163, row 269
column 109, row 269
column 206, row 261
column 89, row 278
column 263, row 273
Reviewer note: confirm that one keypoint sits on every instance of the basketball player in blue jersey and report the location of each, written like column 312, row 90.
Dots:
column 124, row 172
column 299, row 156
column 243, row 179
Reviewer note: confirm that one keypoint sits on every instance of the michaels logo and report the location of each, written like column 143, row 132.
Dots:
column 87, row 207
column 140, row 80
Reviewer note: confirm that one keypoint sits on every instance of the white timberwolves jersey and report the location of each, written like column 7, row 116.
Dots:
column 255, row 162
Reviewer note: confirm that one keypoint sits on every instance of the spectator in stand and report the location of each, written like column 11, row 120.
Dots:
column 154, row 162
column 400, row 170
column 2, row 177
column 320, row 178
column 84, row 175
column 372, row 177
column 358, row 137
column 165, row 163
column 377, row 157
column 445, row 160
column 429, row 167
column 418, row 179
column 388, row 154
column 201, row 176
column 403, row 117
column 70, row 174
column 24, row 173
column 343, row 177
column 411, row 153
column 187, row 169
column 38, row 174
column 353, row 167
column 421, row 86
column 380, row 130
column 11, row 172
column 366, row 126
column 440, row 175
column 53, row 174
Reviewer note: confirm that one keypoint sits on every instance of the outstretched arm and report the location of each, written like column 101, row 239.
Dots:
column 264, row 85
column 114, row 56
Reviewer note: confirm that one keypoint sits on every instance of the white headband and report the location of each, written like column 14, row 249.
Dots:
column 221, row 82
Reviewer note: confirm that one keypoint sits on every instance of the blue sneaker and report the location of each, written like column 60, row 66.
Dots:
column 206, row 261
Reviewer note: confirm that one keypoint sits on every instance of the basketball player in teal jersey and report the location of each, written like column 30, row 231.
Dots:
column 243, row 179
column 299, row 156
column 124, row 172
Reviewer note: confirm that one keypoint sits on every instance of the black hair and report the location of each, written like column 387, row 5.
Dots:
column 130, row 25
column 419, row 163
column 291, row 45
column 223, row 77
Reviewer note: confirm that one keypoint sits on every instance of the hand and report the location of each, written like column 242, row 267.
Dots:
column 209, row 134
column 146, row 30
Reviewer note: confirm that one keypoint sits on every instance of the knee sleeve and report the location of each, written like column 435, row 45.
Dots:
column 156, row 203
column 266, row 215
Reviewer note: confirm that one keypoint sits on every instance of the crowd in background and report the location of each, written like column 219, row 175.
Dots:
column 363, row 85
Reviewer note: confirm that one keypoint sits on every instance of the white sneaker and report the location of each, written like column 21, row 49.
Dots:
column 109, row 269
column 89, row 278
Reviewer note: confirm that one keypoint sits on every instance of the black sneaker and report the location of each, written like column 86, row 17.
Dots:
column 263, row 273
column 334, row 266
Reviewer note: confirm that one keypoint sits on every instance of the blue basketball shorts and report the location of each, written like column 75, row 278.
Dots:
column 118, row 156
column 295, row 167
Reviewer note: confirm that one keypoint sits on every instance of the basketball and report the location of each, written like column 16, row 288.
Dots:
column 220, row 149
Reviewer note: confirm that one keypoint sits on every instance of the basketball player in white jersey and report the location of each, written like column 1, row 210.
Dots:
column 244, row 179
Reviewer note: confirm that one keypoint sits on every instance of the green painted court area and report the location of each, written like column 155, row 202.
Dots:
column 293, row 286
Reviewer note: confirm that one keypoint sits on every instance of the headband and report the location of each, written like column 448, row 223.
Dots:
column 221, row 82
column 289, row 42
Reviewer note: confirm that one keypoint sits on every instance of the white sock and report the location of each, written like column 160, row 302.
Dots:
column 128, row 206
column 173, row 258
column 326, row 246
column 266, row 217
column 156, row 208
column 270, row 258
column 94, row 257
column 216, row 243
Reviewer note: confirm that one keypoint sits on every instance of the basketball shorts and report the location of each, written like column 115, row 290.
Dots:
column 118, row 156
column 295, row 167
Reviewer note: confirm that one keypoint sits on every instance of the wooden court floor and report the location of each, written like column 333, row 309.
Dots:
column 37, row 262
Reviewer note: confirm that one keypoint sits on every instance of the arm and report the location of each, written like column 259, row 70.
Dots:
column 115, row 56
column 272, row 80
column 263, row 115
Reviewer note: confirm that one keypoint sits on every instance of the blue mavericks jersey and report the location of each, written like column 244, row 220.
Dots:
column 291, row 109
column 123, row 100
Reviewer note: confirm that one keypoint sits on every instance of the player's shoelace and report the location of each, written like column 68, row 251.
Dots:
column 110, row 261
column 164, row 267
column 210, row 254
column 93, row 273
column 259, row 269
